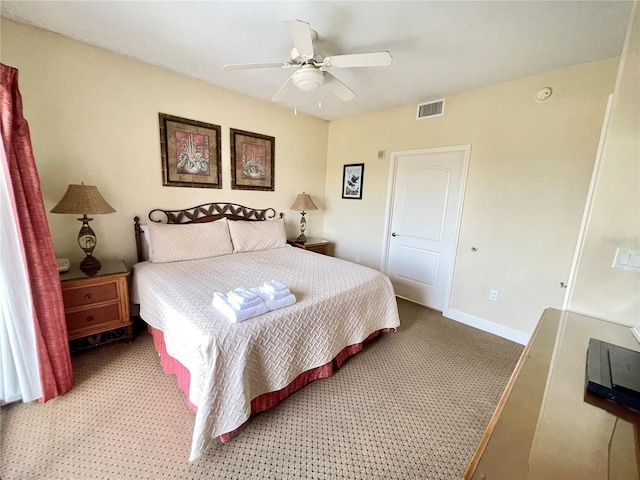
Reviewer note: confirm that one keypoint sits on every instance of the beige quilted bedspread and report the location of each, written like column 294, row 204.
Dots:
column 338, row 304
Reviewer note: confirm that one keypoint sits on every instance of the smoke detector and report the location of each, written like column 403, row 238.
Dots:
column 543, row 94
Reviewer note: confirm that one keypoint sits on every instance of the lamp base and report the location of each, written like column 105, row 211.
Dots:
column 303, row 226
column 90, row 265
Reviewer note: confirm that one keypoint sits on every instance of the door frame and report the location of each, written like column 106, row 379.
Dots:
column 393, row 170
column 588, row 208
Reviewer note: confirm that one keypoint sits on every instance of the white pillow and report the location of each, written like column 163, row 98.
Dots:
column 147, row 241
column 177, row 242
column 250, row 236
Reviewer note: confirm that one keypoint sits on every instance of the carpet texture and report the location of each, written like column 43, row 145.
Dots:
column 412, row 405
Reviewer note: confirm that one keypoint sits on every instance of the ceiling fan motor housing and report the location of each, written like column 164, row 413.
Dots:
column 297, row 58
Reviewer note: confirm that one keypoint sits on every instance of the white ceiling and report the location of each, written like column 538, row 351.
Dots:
column 438, row 48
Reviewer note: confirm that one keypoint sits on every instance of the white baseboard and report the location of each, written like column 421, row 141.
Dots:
column 487, row 326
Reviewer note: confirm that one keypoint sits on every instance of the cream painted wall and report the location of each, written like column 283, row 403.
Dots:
column 93, row 117
column 528, row 178
column 600, row 290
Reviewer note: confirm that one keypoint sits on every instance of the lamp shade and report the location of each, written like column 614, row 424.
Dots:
column 82, row 199
column 303, row 203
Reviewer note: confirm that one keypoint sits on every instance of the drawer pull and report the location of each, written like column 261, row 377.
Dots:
column 90, row 318
column 88, row 296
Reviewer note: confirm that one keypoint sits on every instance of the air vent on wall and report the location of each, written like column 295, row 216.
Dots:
column 431, row 109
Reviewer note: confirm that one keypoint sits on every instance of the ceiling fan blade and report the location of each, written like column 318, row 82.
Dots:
column 343, row 92
column 375, row 59
column 281, row 93
column 302, row 37
column 246, row 66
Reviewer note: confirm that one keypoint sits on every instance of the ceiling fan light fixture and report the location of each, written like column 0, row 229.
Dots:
column 308, row 78
column 312, row 68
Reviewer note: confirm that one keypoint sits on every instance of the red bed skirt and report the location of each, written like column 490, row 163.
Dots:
column 267, row 400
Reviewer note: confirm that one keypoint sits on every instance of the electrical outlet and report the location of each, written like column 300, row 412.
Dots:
column 357, row 258
column 493, row 295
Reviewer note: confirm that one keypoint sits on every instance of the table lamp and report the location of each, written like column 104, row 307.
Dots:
column 84, row 199
column 303, row 202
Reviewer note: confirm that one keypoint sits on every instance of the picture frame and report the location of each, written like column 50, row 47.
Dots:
column 252, row 161
column 352, row 181
column 190, row 153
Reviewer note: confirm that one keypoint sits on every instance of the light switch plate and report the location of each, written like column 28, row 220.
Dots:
column 627, row 259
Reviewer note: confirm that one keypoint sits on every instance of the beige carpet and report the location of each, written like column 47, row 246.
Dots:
column 414, row 404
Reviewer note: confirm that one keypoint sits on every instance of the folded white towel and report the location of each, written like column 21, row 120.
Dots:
column 221, row 302
column 249, row 304
column 273, row 286
column 257, row 301
column 266, row 294
column 243, row 298
column 281, row 302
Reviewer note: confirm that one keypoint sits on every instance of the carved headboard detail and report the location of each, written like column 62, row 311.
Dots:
column 207, row 212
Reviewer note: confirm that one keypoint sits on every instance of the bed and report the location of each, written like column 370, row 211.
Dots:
column 230, row 371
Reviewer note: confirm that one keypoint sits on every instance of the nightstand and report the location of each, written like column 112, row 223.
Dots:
column 317, row 245
column 97, row 307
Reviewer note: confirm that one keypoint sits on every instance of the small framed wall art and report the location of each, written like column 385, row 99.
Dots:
column 190, row 152
column 252, row 161
column 352, row 178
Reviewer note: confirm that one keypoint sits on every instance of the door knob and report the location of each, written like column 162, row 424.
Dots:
column 394, row 234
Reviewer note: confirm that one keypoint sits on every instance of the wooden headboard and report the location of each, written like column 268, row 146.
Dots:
column 207, row 212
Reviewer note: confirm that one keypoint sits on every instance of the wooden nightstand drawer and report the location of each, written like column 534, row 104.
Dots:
column 97, row 306
column 316, row 245
column 79, row 296
column 318, row 248
column 94, row 317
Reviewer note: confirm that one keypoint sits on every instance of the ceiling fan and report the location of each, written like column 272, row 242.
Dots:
column 312, row 68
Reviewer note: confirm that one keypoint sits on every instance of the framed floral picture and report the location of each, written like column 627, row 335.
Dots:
column 252, row 161
column 352, row 178
column 190, row 152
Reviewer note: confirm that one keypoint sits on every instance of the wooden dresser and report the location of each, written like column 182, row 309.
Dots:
column 317, row 245
column 547, row 426
column 97, row 304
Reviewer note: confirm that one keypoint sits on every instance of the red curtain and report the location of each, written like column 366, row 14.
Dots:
column 48, row 310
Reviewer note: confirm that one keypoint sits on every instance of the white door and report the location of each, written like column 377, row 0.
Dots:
column 426, row 204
